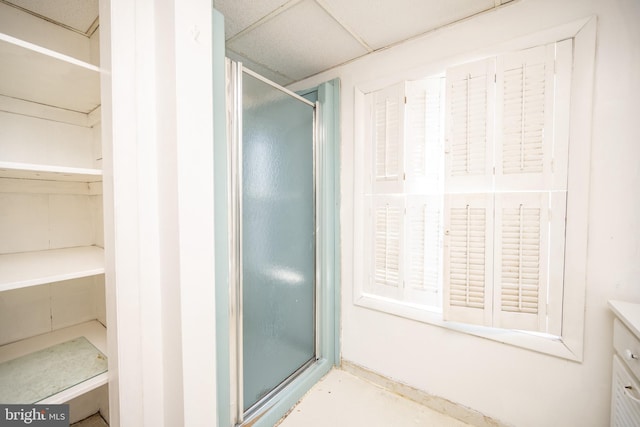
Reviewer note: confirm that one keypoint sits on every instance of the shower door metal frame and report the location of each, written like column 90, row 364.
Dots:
column 240, row 417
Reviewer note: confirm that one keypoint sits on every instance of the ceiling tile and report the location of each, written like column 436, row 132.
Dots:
column 299, row 42
column 238, row 15
column 77, row 14
column 383, row 22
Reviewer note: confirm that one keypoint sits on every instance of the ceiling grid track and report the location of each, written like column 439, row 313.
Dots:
column 353, row 34
column 87, row 33
column 264, row 19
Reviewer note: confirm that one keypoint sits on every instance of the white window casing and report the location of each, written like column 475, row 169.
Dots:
column 506, row 193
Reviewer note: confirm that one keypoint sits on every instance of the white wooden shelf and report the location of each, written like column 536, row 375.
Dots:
column 33, row 73
column 93, row 331
column 48, row 172
column 24, row 269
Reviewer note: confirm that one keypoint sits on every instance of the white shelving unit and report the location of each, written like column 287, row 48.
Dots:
column 51, row 255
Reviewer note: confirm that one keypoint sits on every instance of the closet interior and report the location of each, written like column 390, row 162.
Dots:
column 52, row 296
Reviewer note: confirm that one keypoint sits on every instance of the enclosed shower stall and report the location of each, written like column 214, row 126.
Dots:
column 281, row 294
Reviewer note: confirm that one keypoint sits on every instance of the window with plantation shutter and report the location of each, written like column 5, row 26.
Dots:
column 463, row 216
column 469, row 187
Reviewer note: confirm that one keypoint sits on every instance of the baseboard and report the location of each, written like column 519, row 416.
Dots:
column 444, row 406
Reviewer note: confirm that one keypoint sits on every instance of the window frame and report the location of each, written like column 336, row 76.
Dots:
column 570, row 345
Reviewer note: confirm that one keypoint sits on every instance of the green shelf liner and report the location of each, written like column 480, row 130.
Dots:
column 36, row 376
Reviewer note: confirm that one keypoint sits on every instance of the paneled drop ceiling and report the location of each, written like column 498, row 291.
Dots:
column 80, row 16
column 289, row 40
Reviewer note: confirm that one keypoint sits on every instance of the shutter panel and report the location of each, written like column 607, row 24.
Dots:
column 423, row 249
column 557, row 223
column 388, row 130
column 424, row 134
column 469, row 127
column 468, row 258
column 522, row 254
column 388, row 228
column 524, row 140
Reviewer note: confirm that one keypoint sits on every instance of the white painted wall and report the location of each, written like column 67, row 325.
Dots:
column 516, row 386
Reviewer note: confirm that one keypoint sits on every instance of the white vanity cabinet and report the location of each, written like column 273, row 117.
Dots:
column 625, row 391
column 51, row 220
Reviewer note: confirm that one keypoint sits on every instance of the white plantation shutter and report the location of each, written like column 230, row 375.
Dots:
column 468, row 235
column 388, row 240
column 522, row 255
column 469, row 126
column 424, row 133
column 525, row 108
column 517, row 282
column 468, row 258
column 406, row 158
column 423, row 249
column 388, row 134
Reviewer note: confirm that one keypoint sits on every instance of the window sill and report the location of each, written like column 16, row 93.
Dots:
column 550, row 345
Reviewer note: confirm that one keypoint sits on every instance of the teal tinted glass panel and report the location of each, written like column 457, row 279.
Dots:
column 278, row 239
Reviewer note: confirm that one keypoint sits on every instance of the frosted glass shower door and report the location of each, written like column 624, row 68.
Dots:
column 277, row 238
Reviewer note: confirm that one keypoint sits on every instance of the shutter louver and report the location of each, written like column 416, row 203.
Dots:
column 523, row 125
column 520, row 259
column 388, row 127
column 424, row 136
column 423, row 249
column 468, row 264
column 469, row 145
column 416, row 246
column 467, row 248
column 522, row 249
column 388, row 228
column 468, row 115
column 416, row 112
column 525, row 119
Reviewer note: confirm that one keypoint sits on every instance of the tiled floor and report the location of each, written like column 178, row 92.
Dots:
column 343, row 400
